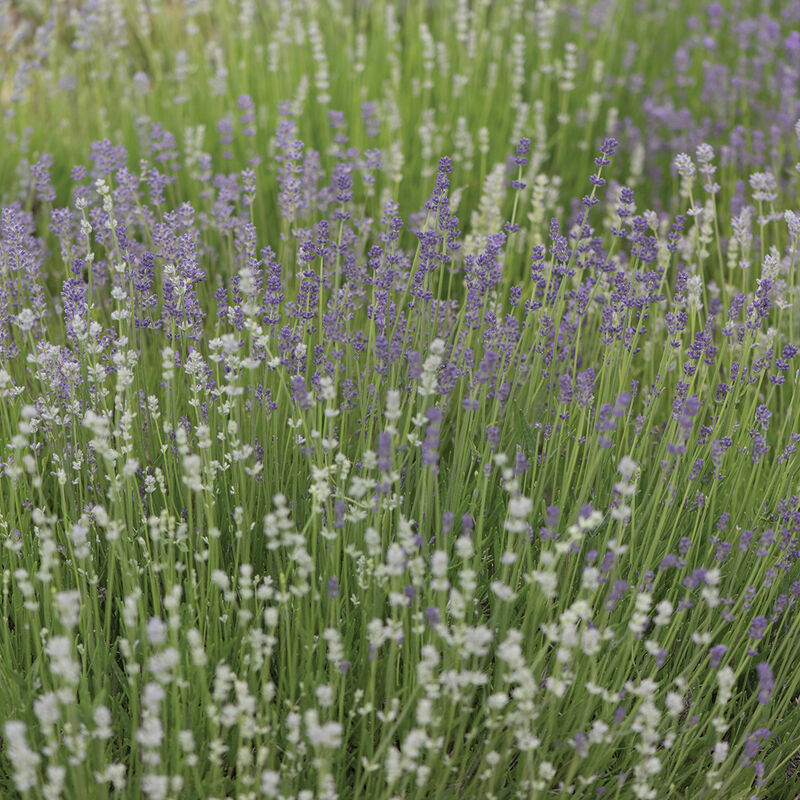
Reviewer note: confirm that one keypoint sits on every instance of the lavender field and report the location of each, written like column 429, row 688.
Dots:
column 399, row 400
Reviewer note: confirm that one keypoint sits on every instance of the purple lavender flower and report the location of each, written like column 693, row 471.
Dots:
column 716, row 654
column 41, row 178
column 447, row 522
column 430, row 445
column 432, row 616
column 766, row 682
column 758, row 627
column 763, row 415
column 385, row 452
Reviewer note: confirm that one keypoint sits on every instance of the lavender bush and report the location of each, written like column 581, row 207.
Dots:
column 399, row 401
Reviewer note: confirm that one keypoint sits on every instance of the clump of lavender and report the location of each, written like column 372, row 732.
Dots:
column 347, row 456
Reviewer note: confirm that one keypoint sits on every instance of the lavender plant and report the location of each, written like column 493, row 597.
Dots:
column 312, row 488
